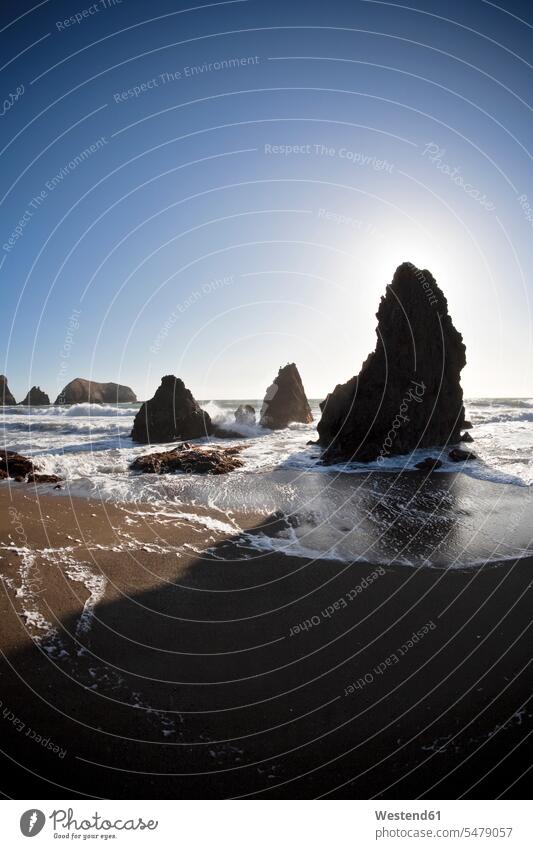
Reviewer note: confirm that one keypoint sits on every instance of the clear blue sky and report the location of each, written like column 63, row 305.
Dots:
column 240, row 214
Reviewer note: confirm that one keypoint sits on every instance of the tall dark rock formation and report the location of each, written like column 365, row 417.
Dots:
column 81, row 391
column 171, row 414
column 408, row 393
column 35, row 398
column 6, row 398
column 285, row 400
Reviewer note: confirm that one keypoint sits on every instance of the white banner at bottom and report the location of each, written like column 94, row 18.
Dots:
column 199, row 824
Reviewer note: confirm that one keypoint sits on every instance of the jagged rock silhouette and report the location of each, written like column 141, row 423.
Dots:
column 408, row 393
column 285, row 400
column 171, row 414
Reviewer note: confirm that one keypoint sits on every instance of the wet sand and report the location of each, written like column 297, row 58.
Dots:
column 144, row 657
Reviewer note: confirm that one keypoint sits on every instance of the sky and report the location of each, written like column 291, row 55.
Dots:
column 213, row 190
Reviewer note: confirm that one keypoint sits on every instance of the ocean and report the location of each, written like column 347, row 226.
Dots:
column 387, row 513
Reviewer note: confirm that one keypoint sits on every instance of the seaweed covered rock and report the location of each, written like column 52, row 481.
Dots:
column 35, row 477
column 285, row 400
column 190, row 460
column 13, row 465
column 408, row 393
column 171, row 414
column 35, row 398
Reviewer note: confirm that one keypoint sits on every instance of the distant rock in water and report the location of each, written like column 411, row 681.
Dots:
column 429, row 464
column 35, row 398
column 285, row 400
column 408, row 393
column 81, row 391
column 190, row 460
column 245, row 414
column 171, row 414
column 6, row 398
column 459, row 456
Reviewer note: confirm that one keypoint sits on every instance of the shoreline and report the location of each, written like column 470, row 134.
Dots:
column 177, row 676
column 410, row 518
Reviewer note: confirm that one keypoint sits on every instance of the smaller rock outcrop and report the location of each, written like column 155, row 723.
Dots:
column 13, row 465
column 35, row 398
column 223, row 432
column 466, row 437
column 429, row 464
column 190, row 460
column 285, row 400
column 245, row 414
column 81, row 391
column 171, row 414
column 458, row 455
column 6, row 398
column 38, row 478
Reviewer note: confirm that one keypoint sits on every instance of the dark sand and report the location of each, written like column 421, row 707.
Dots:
column 187, row 683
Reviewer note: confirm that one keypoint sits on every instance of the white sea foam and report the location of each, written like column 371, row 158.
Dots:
column 77, row 570
column 180, row 517
column 31, row 581
column 289, row 544
column 97, row 411
column 27, row 588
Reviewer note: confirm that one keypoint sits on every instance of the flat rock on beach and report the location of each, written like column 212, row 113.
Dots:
column 190, row 460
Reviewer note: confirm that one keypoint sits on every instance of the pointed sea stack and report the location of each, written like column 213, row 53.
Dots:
column 6, row 398
column 81, row 391
column 171, row 414
column 285, row 400
column 35, row 398
column 408, row 393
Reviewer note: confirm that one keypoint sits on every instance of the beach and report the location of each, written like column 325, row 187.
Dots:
column 266, row 419
column 146, row 656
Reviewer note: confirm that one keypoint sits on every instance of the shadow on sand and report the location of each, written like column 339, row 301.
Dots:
column 280, row 677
